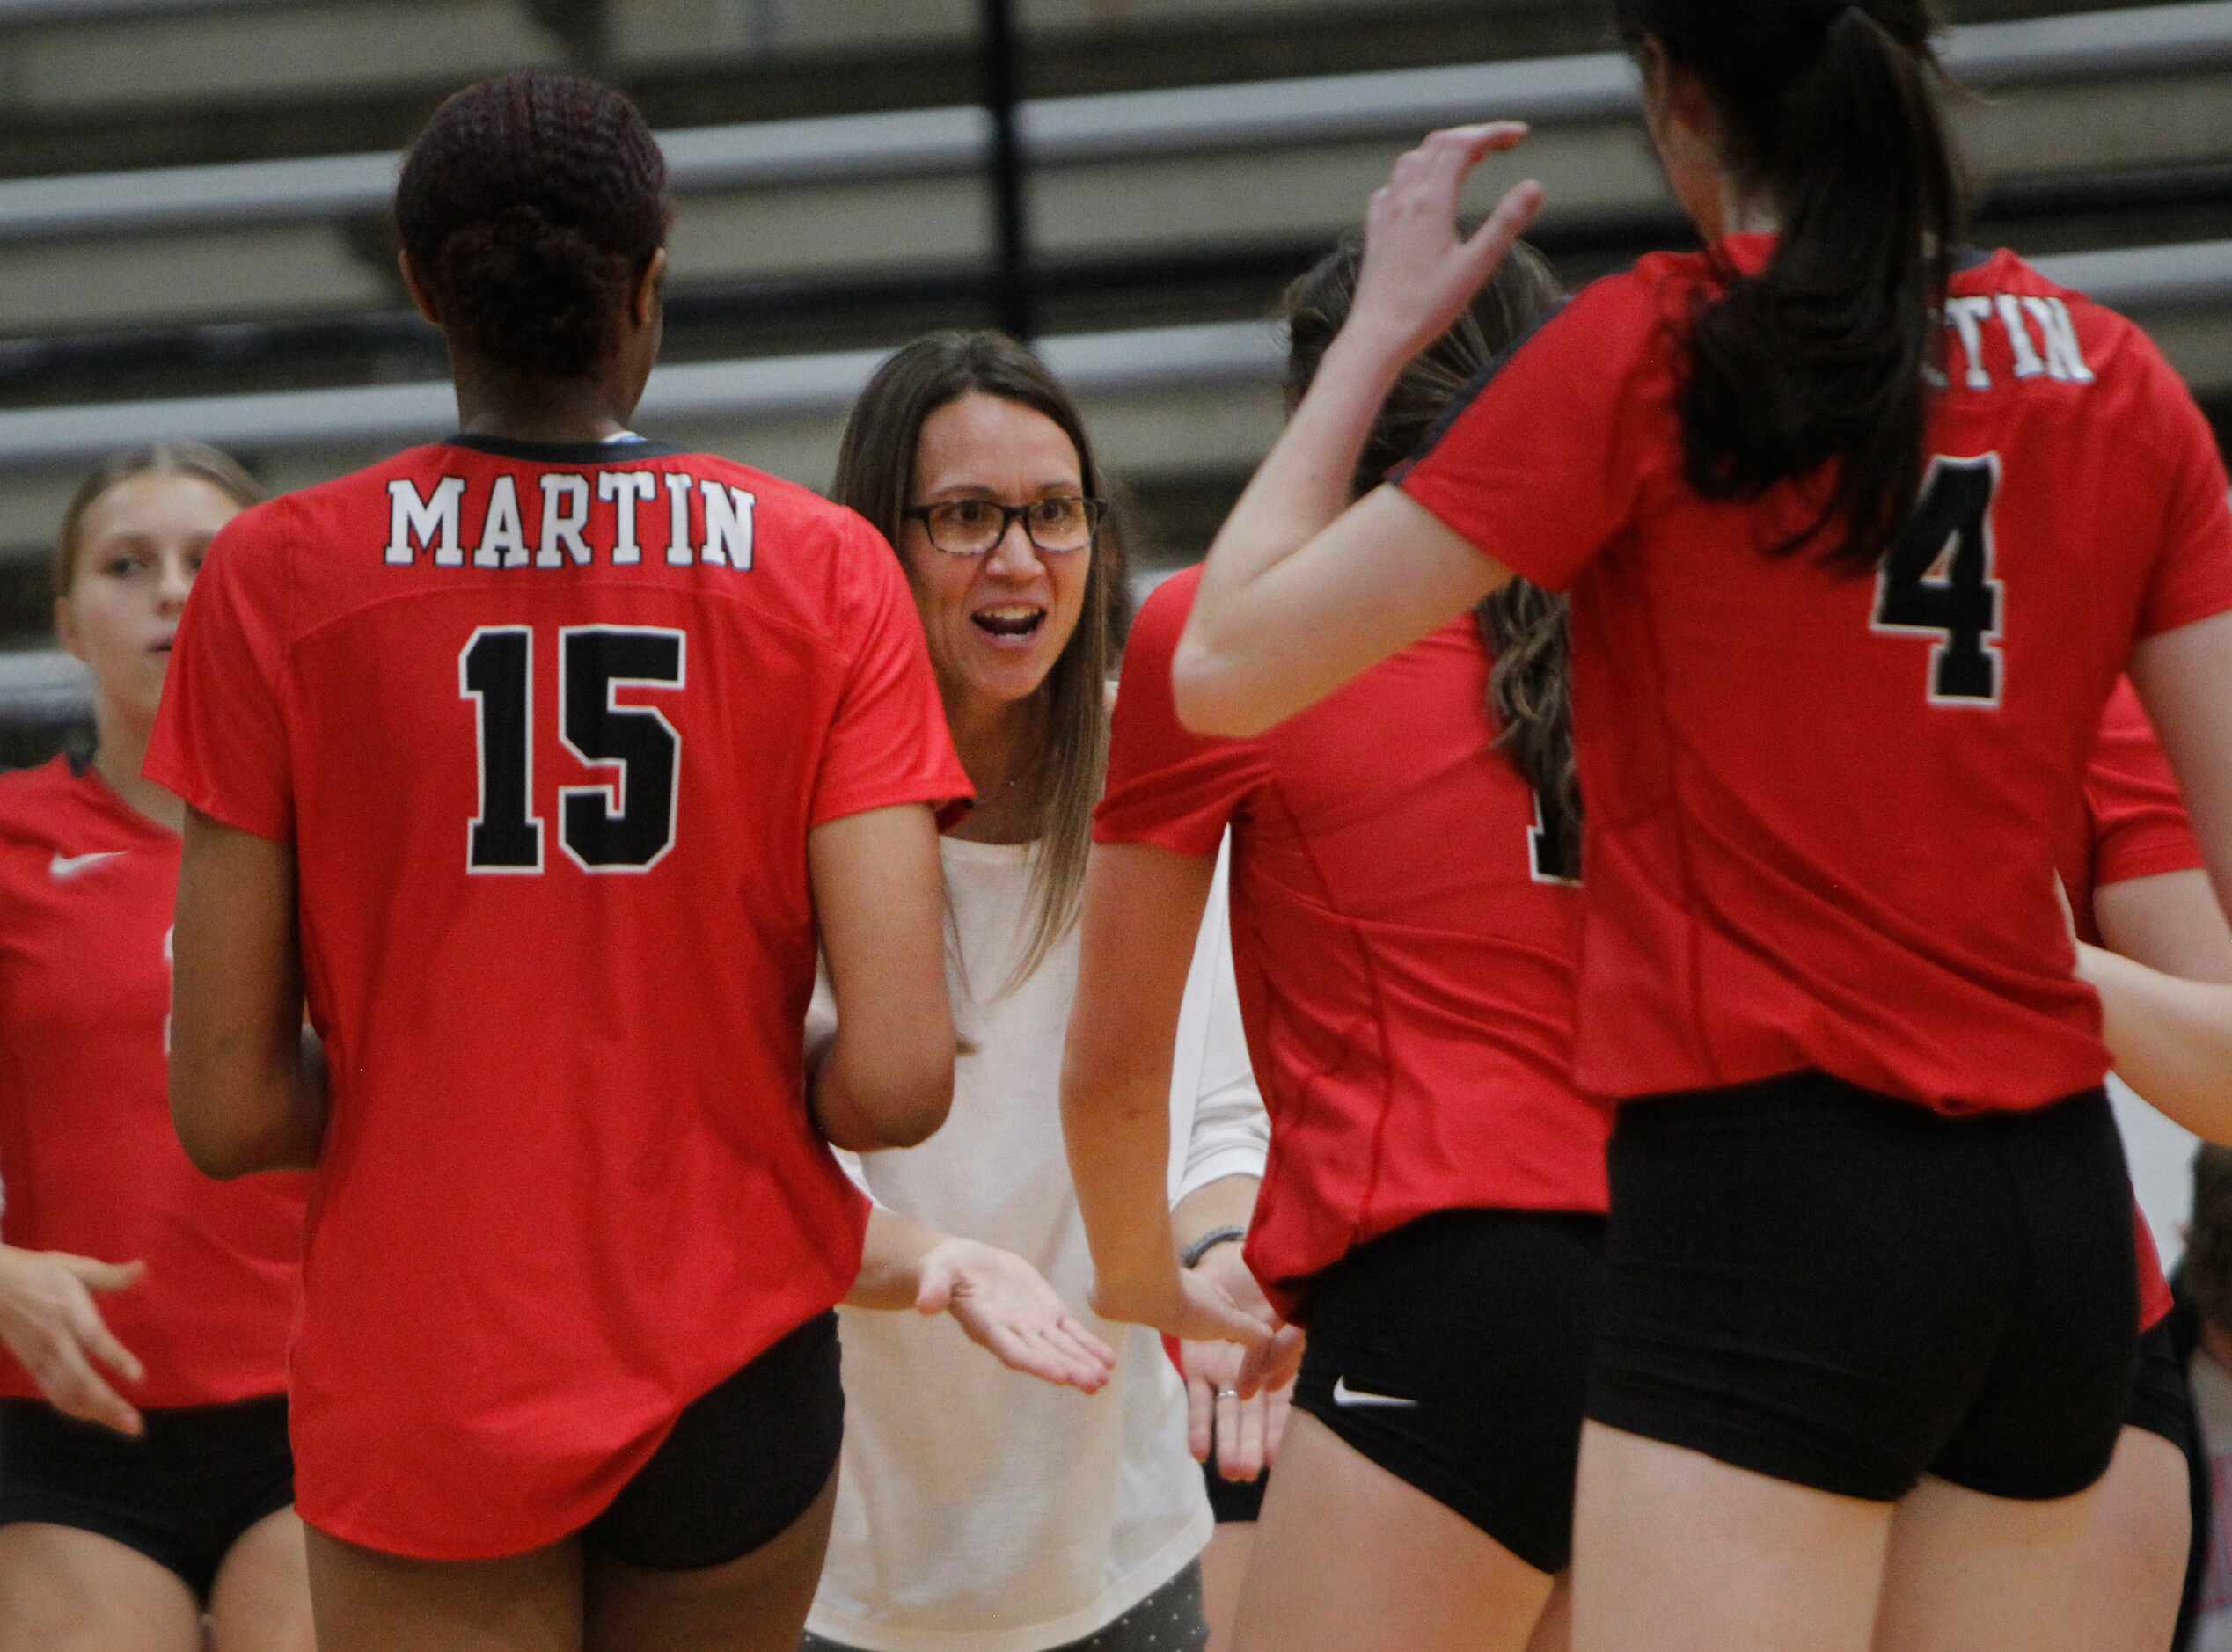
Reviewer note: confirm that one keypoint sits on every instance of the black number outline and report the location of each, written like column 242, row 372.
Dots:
column 483, row 757
column 1552, row 845
column 1964, row 526
column 604, row 793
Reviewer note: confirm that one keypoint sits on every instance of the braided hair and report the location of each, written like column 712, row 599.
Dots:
column 530, row 207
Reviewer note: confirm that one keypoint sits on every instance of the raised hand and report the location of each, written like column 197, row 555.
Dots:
column 49, row 1322
column 1009, row 1308
column 1418, row 276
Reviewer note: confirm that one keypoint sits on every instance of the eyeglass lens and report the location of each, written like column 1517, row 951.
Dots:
column 970, row 526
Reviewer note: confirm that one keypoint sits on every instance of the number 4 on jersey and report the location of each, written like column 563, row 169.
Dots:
column 1938, row 578
column 1554, row 844
column 496, row 672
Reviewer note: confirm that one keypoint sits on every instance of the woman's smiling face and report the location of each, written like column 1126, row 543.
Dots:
column 998, row 621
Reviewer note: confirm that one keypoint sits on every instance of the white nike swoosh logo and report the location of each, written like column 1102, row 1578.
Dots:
column 66, row 867
column 1344, row 1395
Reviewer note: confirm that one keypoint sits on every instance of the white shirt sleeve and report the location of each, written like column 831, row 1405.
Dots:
column 1218, row 1125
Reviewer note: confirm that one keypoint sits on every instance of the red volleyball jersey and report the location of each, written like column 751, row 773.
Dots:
column 1823, row 807
column 2133, row 825
column 548, row 728
column 88, row 1160
column 1404, row 930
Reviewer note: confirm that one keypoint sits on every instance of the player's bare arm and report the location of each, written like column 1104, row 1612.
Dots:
column 2164, row 976
column 2171, row 1038
column 1302, row 591
column 887, row 1079
column 243, row 1095
column 1143, row 909
column 2169, row 922
column 2180, row 676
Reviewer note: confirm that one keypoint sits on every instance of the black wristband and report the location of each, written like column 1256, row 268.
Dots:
column 1193, row 1253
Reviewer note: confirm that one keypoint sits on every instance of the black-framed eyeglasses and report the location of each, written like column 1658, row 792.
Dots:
column 971, row 527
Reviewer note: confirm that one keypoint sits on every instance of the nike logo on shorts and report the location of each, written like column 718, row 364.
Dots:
column 1344, row 1395
column 64, row 867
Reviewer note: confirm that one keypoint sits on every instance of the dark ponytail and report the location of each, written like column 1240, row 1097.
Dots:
column 1529, row 694
column 1828, row 109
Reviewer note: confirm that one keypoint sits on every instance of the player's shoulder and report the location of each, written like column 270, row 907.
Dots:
column 2004, row 270
column 773, row 494
column 805, row 523
column 35, row 800
column 269, row 528
column 2109, row 341
column 1162, row 614
column 261, row 531
column 1611, row 334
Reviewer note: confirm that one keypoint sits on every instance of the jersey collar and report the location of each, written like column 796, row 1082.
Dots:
column 631, row 451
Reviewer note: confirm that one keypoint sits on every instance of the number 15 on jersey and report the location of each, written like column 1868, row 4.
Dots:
column 496, row 673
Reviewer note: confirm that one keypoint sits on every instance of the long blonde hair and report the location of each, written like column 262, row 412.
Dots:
column 1063, row 780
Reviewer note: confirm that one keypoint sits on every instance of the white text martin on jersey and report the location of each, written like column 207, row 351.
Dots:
column 2041, row 338
column 686, row 520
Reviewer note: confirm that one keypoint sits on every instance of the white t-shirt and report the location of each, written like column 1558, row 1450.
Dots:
column 978, row 1508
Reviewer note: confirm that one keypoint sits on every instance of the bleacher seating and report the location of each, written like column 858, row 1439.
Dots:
column 1185, row 156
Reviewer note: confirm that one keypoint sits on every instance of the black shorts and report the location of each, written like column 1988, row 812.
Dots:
column 1454, row 1353
column 1846, row 1291
column 2162, row 1400
column 182, row 1493
column 744, row 1461
column 1233, row 1502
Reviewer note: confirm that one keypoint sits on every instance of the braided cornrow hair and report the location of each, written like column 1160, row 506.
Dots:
column 530, row 206
column 1523, row 625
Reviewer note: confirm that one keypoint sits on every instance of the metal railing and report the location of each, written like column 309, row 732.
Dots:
column 1087, row 130
column 25, row 14
column 798, row 386
column 2149, row 280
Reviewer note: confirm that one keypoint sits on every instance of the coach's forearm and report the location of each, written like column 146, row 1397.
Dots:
column 891, row 1260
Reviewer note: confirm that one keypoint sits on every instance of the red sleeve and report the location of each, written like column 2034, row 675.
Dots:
column 219, row 739
column 1540, row 467
column 2140, row 828
column 889, row 744
column 1167, row 788
column 2193, row 577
